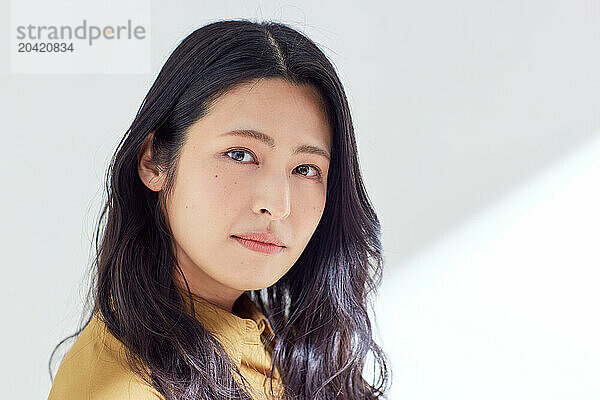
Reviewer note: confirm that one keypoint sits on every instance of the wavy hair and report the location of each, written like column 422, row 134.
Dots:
column 318, row 309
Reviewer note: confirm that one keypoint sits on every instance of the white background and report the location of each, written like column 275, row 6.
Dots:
column 478, row 125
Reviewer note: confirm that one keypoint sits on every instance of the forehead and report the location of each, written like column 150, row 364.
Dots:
column 287, row 112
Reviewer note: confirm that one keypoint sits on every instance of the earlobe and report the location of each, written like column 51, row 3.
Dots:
column 147, row 170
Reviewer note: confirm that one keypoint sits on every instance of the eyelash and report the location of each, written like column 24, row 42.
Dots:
column 318, row 178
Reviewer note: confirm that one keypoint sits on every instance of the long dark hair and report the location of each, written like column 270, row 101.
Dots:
column 318, row 309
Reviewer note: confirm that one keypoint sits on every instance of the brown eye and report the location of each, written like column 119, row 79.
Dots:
column 237, row 154
column 306, row 168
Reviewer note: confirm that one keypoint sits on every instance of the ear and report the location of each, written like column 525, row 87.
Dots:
column 148, row 172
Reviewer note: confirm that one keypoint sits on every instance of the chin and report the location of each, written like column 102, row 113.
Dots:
column 253, row 279
column 253, row 284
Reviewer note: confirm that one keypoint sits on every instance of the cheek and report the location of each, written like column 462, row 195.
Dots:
column 205, row 200
column 308, row 210
column 223, row 193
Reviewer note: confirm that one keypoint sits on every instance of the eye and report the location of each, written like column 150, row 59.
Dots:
column 238, row 152
column 238, row 155
column 307, row 167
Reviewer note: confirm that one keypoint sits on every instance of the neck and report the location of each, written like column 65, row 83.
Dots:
column 223, row 298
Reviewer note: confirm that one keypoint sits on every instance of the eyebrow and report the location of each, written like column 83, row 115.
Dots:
column 263, row 137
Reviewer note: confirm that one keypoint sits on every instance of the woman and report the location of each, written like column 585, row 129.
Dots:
column 240, row 245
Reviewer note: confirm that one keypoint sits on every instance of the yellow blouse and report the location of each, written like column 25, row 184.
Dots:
column 95, row 367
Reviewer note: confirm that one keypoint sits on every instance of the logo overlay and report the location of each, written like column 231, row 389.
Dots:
column 80, row 37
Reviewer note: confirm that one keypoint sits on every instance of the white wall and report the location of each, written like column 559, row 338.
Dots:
column 505, row 304
column 478, row 127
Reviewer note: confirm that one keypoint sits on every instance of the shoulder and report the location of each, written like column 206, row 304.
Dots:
column 95, row 368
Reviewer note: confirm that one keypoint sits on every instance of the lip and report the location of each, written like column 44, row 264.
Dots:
column 259, row 247
column 262, row 237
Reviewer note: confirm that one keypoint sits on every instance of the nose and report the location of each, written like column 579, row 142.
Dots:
column 272, row 196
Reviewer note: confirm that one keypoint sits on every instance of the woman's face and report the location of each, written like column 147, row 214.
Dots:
column 230, row 184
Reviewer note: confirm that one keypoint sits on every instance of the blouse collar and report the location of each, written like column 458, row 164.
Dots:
column 246, row 325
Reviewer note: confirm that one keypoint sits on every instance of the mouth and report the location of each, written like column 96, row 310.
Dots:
column 260, row 247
